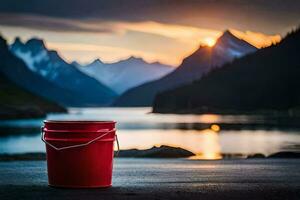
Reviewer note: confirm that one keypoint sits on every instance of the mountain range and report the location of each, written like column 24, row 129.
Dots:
column 67, row 85
column 266, row 80
column 15, row 101
column 125, row 74
column 227, row 48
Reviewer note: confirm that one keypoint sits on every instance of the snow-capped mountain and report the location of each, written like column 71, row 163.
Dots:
column 15, row 70
column 202, row 61
column 49, row 65
column 125, row 74
column 229, row 47
column 16, row 101
column 266, row 81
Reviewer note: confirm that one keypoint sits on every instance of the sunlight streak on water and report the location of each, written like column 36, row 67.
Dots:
column 206, row 144
column 139, row 129
column 211, row 149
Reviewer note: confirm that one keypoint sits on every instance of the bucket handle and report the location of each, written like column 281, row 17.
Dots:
column 80, row 145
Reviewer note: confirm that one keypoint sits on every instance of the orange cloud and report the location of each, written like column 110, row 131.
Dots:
column 153, row 41
column 174, row 31
column 258, row 40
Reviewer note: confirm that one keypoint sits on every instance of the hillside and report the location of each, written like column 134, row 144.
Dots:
column 227, row 48
column 125, row 74
column 16, row 102
column 15, row 70
column 265, row 80
column 48, row 66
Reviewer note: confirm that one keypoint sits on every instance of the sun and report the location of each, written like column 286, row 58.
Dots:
column 210, row 41
column 215, row 128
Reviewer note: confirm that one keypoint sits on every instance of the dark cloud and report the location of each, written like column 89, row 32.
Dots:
column 49, row 23
column 271, row 16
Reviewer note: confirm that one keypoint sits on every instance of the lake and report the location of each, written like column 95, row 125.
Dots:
column 208, row 136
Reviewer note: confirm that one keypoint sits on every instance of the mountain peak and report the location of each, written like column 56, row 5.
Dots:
column 18, row 41
column 135, row 59
column 96, row 61
column 229, row 40
column 75, row 63
column 227, row 32
column 2, row 42
column 132, row 59
column 53, row 53
column 227, row 36
column 35, row 43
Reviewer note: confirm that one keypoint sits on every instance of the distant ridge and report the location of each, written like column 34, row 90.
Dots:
column 15, row 101
column 125, row 74
column 47, row 64
column 227, row 48
column 267, row 80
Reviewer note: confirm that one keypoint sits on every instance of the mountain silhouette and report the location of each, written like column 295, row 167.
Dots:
column 86, row 91
column 227, row 48
column 125, row 74
column 15, row 101
column 265, row 80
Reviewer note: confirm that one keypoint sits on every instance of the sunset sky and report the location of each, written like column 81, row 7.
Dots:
column 156, row 30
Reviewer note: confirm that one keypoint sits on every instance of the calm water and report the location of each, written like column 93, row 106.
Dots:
column 137, row 128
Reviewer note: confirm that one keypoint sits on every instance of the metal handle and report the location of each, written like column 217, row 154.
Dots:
column 80, row 145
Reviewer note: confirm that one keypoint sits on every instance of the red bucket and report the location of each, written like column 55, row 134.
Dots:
column 79, row 153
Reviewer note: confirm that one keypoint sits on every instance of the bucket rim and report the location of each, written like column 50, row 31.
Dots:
column 80, row 121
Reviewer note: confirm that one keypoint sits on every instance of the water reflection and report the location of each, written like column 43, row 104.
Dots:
column 211, row 149
column 143, row 115
column 206, row 144
column 209, row 118
column 215, row 128
column 21, row 144
column 205, row 141
column 205, row 135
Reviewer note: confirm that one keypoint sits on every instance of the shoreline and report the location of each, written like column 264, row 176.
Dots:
column 276, row 124
column 28, row 114
column 158, row 152
column 291, row 113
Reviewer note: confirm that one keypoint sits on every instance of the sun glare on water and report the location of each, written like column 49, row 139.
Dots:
column 215, row 128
